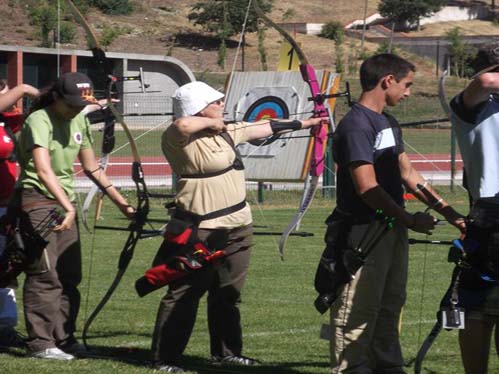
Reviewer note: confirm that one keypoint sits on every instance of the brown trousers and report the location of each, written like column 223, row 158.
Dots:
column 51, row 297
column 178, row 308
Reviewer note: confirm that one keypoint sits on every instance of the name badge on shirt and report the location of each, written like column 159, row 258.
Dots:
column 384, row 139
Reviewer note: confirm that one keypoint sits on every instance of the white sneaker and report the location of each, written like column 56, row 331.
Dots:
column 53, row 354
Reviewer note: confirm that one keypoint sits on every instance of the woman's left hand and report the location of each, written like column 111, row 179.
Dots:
column 306, row 123
column 128, row 210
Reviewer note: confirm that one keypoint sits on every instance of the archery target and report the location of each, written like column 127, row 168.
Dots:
column 265, row 108
column 263, row 103
column 256, row 95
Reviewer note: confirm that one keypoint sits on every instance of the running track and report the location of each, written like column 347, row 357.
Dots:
column 432, row 166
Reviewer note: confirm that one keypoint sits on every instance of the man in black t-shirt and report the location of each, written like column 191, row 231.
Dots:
column 372, row 170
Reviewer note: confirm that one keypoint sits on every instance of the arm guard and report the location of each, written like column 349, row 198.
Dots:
column 279, row 126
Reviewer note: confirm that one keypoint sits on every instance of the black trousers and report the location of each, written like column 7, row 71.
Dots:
column 178, row 308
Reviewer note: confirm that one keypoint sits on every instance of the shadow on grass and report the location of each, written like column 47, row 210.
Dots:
column 204, row 366
column 140, row 357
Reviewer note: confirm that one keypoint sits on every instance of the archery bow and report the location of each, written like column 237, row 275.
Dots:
column 136, row 226
column 430, row 339
column 319, row 132
column 108, row 141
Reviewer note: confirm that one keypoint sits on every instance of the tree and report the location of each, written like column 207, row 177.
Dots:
column 45, row 17
column 225, row 18
column 113, row 6
column 334, row 30
column 209, row 14
column 459, row 52
column 409, row 11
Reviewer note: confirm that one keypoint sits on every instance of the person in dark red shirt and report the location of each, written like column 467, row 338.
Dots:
column 11, row 120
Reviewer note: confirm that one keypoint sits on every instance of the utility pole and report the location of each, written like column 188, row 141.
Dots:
column 364, row 26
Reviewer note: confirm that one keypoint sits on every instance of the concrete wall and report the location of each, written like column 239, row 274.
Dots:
column 457, row 13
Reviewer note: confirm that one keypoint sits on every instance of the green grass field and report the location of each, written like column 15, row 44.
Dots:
column 281, row 326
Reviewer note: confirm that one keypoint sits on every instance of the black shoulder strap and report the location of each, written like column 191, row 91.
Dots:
column 237, row 164
column 196, row 218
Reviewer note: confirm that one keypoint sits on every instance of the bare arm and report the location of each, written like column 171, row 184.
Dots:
column 262, row 129
column 88, row 162
column 367, row 187
column 480, row 88
column 412, row 179
column 187, row 126
column 13, row 95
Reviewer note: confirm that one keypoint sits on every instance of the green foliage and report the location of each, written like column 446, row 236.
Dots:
column 44, row 16
column 384, row 47
column 209, row 14
column 111, row 31
column 409, row 11
column 333, row 30
column 113, row 6
column 460, row 53
column 261, row 48
column 339, row 59
column 67, row 32
column 222, row 54
column 289, row 13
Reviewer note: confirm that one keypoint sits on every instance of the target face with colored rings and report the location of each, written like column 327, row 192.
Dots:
column 265, row 108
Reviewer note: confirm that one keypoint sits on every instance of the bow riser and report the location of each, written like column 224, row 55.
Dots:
column 320, row 132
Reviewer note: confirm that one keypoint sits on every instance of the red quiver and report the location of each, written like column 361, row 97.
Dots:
column 180, row 254
column 13, row 119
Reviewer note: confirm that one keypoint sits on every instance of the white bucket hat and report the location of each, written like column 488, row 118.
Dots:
column 193, row 97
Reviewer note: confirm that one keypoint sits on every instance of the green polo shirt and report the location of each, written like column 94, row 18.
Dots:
column 63, row 138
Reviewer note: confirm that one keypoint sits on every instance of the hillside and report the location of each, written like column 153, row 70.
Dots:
column 152, row 26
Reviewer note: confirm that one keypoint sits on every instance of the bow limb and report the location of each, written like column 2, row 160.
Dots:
column 86, row 206
column 308, row 195
column 107, row 147
column 136, row 226
column 444, row 102
column 430, row 339
column 319, row 132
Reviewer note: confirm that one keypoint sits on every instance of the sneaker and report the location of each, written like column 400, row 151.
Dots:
column 53, row 354
column 74, row 349
column 174, row 369
column 235, row 360
column 10, row 338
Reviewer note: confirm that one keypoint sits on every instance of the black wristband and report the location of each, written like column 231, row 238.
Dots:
column 279, row 126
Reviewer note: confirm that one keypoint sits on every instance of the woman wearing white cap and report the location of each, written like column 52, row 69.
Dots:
column 53, row 135
column 211, row 191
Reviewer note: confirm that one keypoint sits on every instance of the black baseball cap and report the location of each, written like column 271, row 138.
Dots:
column 76, row 89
